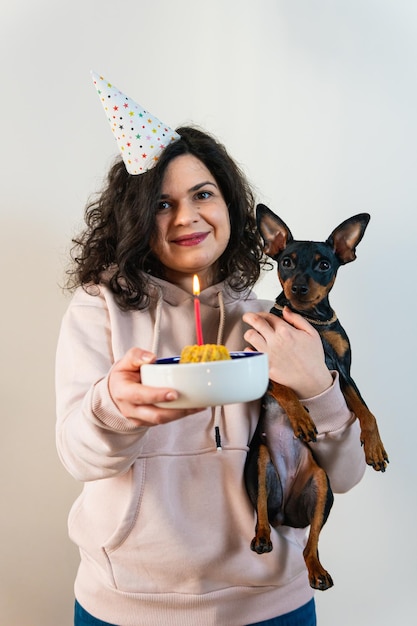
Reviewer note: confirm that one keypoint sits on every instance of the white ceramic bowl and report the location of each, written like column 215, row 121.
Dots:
column 242, row 379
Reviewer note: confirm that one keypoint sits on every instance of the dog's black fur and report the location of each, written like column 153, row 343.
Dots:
column 284, row 481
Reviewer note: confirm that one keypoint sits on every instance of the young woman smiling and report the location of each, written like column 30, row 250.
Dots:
column 164, row 523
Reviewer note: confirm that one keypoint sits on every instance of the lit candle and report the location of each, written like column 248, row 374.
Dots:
column 197, row 314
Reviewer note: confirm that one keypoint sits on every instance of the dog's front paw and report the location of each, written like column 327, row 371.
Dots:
column 375, row 453
column 303, row 426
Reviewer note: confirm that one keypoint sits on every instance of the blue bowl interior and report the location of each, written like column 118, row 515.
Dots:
column 171, row 360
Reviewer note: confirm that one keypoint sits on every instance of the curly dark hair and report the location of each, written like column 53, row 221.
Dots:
column 114, row 248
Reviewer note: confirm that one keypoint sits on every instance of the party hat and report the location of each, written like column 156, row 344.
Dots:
column 141, row 137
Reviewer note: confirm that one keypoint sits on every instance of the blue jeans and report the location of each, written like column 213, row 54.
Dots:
column 304, row 616
column 82, row 618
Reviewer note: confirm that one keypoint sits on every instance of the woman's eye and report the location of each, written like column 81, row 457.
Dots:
column 163, row 206
column 203, row 195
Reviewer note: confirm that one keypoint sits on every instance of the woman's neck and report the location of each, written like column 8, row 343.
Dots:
column 206, row 278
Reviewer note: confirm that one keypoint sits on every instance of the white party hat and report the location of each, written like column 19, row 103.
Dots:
column 141, row 137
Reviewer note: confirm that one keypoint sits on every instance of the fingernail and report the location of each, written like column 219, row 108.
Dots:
column 171, row 395
column 147, row 356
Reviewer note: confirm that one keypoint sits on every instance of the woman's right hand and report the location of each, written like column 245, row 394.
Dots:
column 136, row 401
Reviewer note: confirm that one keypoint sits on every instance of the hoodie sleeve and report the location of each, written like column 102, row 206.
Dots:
column 94, row 440
column 337, row 449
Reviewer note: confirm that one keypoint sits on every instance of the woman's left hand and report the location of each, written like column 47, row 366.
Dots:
column 294, row 348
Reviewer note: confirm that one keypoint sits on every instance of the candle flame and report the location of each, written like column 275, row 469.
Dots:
column 196, row 285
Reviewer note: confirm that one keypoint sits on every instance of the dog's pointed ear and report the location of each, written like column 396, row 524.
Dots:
column 347, row 235
column 274, row 231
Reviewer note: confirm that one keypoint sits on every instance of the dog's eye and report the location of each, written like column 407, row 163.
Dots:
column 323, row 265
column 287, row 262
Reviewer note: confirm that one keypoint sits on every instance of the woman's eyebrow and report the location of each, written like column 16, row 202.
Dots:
column 199, row 185
column 165, row 196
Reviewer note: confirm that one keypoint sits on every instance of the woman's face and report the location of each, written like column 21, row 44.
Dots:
column 193, row 225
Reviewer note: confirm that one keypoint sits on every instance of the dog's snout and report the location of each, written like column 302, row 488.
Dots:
column 299, row 290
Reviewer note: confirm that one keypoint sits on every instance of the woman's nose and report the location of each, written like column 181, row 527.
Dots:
column 186, row 213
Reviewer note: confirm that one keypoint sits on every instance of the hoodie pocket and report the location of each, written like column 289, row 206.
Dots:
column 103, row 516
column 190, row 530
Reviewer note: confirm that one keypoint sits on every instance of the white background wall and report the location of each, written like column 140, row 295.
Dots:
column 317, row 100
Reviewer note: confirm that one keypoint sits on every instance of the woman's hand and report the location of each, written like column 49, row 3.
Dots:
column 294, row 348
column 136, row 401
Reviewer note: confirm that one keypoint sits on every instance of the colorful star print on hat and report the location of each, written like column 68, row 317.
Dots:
column 141, row 137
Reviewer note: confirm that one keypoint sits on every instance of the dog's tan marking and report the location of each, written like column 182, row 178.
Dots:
column 337, row 342
column 319, row 578
column 375, row 453
column 263, row 529
column 316, row 293
column 300, row 420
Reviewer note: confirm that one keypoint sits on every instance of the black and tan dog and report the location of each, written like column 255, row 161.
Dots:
column 284, row 482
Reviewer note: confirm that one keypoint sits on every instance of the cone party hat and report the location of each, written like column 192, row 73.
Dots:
column 140, row 136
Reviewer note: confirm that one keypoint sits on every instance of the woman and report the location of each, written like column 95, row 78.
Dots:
column 164, row 523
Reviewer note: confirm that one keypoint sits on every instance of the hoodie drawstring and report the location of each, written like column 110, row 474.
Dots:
column 222, row 318
column 218, row 410
column 157, row 325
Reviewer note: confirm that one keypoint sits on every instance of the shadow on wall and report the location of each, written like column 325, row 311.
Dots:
column 38, row 562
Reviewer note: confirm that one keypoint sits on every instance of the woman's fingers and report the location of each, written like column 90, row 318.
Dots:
column 133, row 360
column 151, row 415
column 137, row 401
column 298, row 321
column 294, row 348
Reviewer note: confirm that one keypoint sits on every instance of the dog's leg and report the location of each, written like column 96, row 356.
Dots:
column 261, row 543
column 319, row 578
column 301, row 422
column 307, row 502
column 375, row 453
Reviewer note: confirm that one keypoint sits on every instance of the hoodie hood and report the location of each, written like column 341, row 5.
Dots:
column 219, row 297
column 176, row 296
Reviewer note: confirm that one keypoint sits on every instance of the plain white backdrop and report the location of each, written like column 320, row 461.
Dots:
column 317, row 101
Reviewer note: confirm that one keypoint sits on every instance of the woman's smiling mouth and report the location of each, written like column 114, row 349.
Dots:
column 193, row 239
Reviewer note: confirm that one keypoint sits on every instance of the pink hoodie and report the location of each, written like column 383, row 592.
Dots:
column 164, row 523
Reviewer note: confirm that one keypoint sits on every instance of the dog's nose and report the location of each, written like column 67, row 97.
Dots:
column 299, row 290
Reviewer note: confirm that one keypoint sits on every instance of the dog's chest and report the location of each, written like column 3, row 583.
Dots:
column 287, row 452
